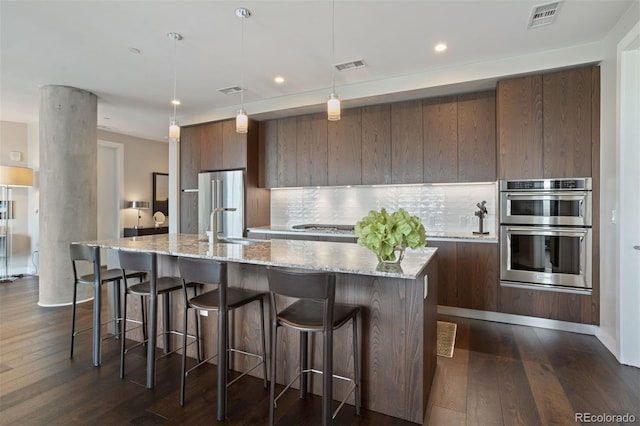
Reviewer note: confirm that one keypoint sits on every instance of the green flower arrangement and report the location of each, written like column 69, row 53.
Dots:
column 382, row 233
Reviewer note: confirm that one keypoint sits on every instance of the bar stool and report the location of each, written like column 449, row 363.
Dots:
column 84, row 254
column 223, row 299
column 315, row 311
column 145, row 261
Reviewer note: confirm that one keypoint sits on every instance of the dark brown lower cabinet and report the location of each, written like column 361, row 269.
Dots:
column 548, row 304
column 467, row 274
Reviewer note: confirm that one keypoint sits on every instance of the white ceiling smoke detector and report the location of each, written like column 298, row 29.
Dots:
column 543, row 15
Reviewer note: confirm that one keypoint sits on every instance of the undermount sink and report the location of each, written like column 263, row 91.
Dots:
column 232, row 240
column 243, row 241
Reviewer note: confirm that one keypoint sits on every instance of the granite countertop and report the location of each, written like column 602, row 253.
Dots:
column 315, row 255
column 431, row 235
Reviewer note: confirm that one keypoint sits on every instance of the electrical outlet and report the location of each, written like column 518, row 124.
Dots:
column 204, row 313
column 614, row 218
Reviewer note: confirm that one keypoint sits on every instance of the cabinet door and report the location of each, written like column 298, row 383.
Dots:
column 406, row 142
column 477, row 137
column 189, row 212
column 312, row 150
column 268, row 154
column 345, row 149
column 440, row 121
column 376, row 144
column 519, row 124
column 567, row 123
column 211, row 146
column 447, row 272
column 287, row 157
column 478, row 276
column 189, row 156
column 234, row 146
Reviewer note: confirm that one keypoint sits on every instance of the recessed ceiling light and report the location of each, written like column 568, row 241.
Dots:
column 135, row 50
column 440, row 47
column 175, row 102
column 279, row 79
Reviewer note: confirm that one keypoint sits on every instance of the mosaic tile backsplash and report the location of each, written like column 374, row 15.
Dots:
column 442, row 208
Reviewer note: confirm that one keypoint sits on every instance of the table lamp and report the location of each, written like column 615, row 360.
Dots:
column 138, row 205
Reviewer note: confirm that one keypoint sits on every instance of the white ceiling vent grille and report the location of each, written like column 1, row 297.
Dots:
column 231, row 90
column 543, row 15
column 351, row 65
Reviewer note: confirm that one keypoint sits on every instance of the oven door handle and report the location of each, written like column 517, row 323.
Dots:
column 540, row 230
column 547, row 195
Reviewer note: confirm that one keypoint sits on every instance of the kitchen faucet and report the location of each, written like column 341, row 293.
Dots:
column 214, row 222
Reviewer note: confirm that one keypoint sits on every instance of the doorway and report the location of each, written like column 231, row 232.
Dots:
column 110, row 190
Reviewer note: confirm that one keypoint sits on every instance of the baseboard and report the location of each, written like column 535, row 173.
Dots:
column 520, row 320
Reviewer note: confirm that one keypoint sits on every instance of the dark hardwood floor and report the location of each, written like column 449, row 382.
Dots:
column 500, row 375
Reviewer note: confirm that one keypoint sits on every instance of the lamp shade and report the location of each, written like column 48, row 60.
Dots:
column 333, row 108
column 174, row 129
column 242, row 122
column 138, row 204
column 16, row 176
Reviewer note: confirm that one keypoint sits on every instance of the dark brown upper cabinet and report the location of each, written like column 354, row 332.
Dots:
column 311, row 150
column 211, row 146
column 286, row 154
column 406, row 142
column 234, row 146
column 440, row 121
column 345, row 149
column 566, row 106
column 376, row 144
column 519, row 124
column 477, row 137
column 268, row 151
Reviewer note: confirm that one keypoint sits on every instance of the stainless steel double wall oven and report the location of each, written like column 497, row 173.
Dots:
column 545, row 234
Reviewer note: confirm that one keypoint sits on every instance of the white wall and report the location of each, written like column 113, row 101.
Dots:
column 610, row 295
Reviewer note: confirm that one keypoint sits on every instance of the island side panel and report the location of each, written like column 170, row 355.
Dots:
column 430, row 331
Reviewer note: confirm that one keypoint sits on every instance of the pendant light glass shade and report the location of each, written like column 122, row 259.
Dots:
column 333, row 108
column 242, row 122
column 174, row 129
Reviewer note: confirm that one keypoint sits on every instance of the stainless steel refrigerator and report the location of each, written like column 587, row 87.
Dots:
column 222, row 189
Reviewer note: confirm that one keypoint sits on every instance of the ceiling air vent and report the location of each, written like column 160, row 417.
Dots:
column 231, row 90
column 351, row 65
column 543, row 15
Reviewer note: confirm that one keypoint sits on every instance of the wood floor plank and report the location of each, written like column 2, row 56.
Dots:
column 551, row 401
column 483, row 392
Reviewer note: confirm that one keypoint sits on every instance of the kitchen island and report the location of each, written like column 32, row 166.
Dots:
column 399, row 311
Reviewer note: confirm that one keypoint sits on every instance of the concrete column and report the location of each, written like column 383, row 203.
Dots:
column 68, row 187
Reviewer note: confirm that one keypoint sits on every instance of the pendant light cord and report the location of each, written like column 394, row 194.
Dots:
column 242, row 66
column 175, row 75
column 333, row 45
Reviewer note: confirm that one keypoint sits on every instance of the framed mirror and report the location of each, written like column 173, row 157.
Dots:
column 161, row 193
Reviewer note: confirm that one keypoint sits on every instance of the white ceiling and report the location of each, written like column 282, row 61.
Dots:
column 85, row 44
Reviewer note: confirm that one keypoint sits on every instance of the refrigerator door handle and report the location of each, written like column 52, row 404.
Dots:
column 216, row 201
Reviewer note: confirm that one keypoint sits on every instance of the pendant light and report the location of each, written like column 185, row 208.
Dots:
column 333, row 105
column 174, row 126
column 242, row 121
